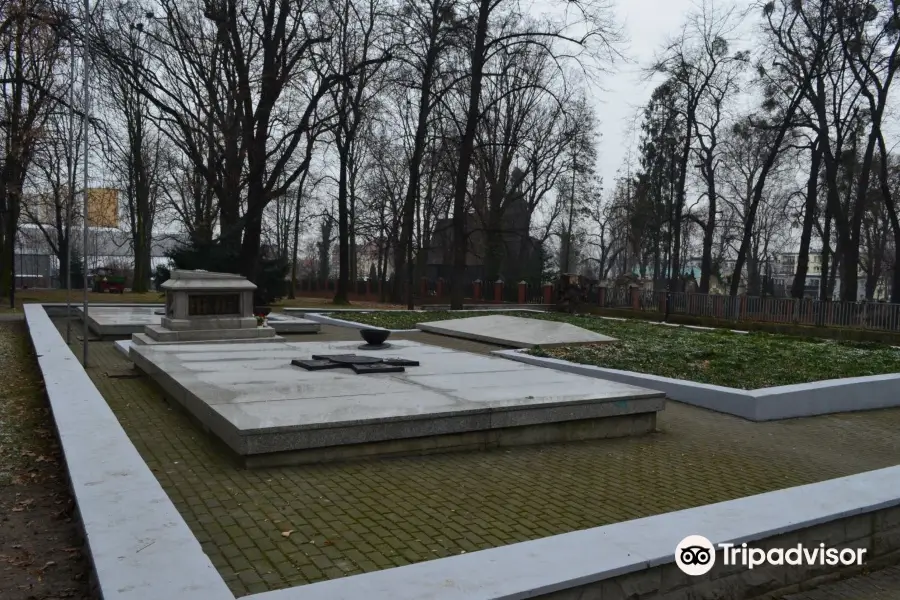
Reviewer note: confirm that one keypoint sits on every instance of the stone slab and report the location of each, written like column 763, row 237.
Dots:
column 142, row 339
column 132, row 530
column 121, row 321
column 765, row 404
column 288, row 324
column 162, row 335
column 252, row 398
column 517, row 332
column 109, row 321
column 325, row 319
column 123, row 346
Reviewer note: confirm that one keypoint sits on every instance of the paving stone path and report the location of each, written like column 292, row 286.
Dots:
column 880, row 585
column 274, row 528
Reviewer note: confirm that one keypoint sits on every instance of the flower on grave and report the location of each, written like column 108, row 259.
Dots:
column 260, row 320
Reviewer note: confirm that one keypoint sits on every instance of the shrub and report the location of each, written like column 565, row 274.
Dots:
column 271, row 283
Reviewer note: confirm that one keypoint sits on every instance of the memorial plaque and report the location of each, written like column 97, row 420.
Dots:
column 213, row 305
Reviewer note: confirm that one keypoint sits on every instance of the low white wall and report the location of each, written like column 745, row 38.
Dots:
column 765, row 404
column 140, row 546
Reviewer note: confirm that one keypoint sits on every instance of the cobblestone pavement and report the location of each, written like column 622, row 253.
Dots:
column 274, row 528
column 880, row 585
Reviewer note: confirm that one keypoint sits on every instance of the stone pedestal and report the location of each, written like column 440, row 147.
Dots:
column 203, row 307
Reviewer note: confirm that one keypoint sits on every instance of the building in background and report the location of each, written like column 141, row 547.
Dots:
column 37, row 265
column 521, row 256
column 785, row 267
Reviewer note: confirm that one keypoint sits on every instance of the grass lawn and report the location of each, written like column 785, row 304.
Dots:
column 746, row 361
column 49, row 296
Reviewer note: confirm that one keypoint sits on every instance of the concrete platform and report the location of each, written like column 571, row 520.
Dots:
column 516, row 332
column 269, row 412
column 287, row 324
column 121, row 321
column 108, row 321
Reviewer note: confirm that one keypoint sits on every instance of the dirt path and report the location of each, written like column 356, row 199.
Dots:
column 41, row 556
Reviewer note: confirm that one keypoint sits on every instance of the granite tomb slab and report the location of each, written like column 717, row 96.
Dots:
column 268, row 411
column 515, row 332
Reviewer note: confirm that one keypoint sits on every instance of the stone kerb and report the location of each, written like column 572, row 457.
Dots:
column 142, row 549
column 140, row 546
column 764, row 404
column 636, row 558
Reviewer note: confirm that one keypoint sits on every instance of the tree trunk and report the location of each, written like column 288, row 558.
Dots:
column 710, row 229
column 825, row 285
column 340, row 294
column 460, row 239
column 809, row 215
column 675, row 226
column 415, row 168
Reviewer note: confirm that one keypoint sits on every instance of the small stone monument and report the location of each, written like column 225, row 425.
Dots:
column 206, row 307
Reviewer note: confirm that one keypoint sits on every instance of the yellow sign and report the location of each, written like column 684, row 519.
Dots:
column 103, row 207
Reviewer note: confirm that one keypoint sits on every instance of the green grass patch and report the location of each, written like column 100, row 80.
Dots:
column 741, row 360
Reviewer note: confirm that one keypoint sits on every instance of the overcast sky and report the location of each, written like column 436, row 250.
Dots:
column 648, row 24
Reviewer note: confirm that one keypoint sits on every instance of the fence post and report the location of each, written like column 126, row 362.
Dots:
column 523, row 290
column 498, row 291
column 439, row 287
column 662, row 301
column 368, row 288
column 720, row 307
column 601, row 297
column 423, row 287
column 476, row 290
column 742, row 307
column 635, row 299
column 548, row 293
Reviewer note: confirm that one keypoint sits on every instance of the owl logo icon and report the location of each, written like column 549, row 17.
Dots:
column 695, row 555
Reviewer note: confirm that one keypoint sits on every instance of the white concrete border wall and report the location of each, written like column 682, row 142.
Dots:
column 636, row 558
column 140, row 546
column 142, row 549
column 764, row 404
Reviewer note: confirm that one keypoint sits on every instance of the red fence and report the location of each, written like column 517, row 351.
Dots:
column 435, row 291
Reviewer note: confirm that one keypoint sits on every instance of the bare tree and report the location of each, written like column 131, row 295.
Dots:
column 33, row 49
column 597, row 39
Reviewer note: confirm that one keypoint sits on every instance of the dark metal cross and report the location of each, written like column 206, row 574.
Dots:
column 359, row 364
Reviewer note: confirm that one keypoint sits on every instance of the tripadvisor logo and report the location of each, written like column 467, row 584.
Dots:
column 696, row 555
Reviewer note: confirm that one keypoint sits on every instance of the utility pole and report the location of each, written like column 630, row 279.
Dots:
column 87, row 112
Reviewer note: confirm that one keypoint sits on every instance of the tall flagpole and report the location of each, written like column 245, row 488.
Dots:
column 87, row 112
column 70, row 192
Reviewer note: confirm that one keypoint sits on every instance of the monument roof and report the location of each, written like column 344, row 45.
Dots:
column 207, row 281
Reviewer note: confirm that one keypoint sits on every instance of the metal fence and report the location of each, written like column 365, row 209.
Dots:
column 823, row 313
